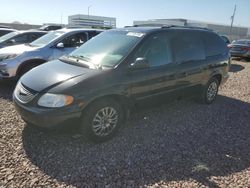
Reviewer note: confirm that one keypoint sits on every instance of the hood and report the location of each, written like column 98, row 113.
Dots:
column 51, row 74
column 17, row 49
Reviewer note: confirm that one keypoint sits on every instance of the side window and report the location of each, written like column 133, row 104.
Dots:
column 75, row 40
column 93, row 34
column 214, row 45
column 156, row 50
column 21, row 38
column 33, row 36
column 188, row 47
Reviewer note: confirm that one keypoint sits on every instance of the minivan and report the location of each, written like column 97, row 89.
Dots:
column 100, row 82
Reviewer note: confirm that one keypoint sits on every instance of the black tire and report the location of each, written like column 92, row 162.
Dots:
column 92, row 114
column 26, row 69
column 210, row 91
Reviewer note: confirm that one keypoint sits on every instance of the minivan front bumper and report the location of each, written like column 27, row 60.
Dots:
column 46, row 118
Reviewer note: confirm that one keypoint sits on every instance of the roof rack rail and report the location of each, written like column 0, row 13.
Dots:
column 168, row 26
column 189, row 27
column 148, row 25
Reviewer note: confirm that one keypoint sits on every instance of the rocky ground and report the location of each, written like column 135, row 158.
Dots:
column 177, row 144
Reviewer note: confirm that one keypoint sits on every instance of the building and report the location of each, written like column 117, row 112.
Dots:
column 81, row 20
column 235, row 33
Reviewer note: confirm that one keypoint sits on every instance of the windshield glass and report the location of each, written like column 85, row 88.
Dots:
column 108, row 48
column 46, row 39
column 8, row 36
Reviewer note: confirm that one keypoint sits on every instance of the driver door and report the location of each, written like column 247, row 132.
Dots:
column 68, row 45
column 159, row 77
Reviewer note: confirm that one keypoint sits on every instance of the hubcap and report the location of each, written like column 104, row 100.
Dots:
column 212, row 91
column 105, row 121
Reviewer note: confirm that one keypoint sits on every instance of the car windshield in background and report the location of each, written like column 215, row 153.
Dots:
column 8, row 36
column 108, row 48
column 46, row 39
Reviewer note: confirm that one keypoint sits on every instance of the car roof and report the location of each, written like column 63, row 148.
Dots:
column 67, row 30
column 149, row 29
column 7, row 29
column 30, row 31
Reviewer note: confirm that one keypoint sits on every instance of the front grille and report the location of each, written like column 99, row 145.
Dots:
column 23, row 94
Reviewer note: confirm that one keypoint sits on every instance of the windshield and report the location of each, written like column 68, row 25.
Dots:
column 46, row 39
column 108, row 48
column 8, row 36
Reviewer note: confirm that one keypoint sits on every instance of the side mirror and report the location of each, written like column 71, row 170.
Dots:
column 140, row 63
column 60, row 45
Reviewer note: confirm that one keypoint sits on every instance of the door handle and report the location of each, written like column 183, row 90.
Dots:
column 184, row 73
column 181, row 74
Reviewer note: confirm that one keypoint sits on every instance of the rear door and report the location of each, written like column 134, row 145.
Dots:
column 159, row 78
column 189, row 55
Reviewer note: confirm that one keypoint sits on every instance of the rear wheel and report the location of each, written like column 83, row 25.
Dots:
column 210, row 91
column 102, row 120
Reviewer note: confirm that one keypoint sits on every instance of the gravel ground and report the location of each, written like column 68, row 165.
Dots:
column 177, row 144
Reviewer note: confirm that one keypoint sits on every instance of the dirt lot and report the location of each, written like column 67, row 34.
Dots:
column 178, row 144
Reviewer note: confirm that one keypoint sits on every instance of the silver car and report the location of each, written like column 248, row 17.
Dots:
column 20, row 37
column 240, row 48
column 19, row 59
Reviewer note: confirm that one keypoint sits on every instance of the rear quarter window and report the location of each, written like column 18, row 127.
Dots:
column 214, row 44
column 188, row 46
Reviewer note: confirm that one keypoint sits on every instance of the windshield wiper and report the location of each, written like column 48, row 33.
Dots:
column 68, row 59
column 85, row 60
column 31, row 45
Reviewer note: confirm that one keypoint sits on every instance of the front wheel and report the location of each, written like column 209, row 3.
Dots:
column 26, row 69
column 102, row 119
column 210, row 91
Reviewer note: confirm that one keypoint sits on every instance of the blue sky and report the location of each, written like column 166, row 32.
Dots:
column 47, row 11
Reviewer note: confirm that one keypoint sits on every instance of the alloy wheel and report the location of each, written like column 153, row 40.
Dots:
column 105, row 121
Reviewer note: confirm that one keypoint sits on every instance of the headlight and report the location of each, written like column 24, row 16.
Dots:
column 55, row 100
column 7, row 56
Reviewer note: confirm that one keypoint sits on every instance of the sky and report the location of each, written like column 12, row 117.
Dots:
column 126, row 11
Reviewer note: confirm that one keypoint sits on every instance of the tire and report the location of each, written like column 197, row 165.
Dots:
column 26, row 68
column 98, row 127
column 210, row 91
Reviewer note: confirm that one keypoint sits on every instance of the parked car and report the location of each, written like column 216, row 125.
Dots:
column 50, row 27
column 100, row 81
column 5, row 26
column 19, row 59
column 226, row 39
column 4, row 31
column 240, row 48
column 20, row 37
